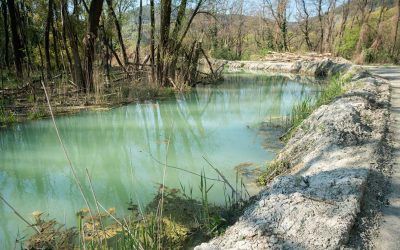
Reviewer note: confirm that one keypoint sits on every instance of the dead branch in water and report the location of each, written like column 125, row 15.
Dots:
column 223, row 177
column 18, row 214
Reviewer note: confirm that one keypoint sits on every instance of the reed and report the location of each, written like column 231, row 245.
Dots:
column 305, row 107
column 168, row 222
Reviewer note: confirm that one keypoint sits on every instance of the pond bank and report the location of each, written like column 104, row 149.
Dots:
column 300, row 65
column 336, row 164
column 20, row 105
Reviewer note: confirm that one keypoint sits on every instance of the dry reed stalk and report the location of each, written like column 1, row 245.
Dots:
column 95, row 199
column 182, row 169
column 162, row 189
column 18, row 214
column 223, row 178
column 67, row 155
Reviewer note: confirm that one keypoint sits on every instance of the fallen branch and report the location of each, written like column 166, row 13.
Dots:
column 18, row 214
column 223, row 178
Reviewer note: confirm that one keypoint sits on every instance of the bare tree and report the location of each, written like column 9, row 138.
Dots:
column 278, row 10
column 118, row 29
column 69, row 30
column 49, row 24
column 364, row 7
column 378, row 30
column 6, row 34
column 16, row 39
column 139, row 34
column 396, row 28
column 95, row 9
column 343, row 23
column 319, row 8
column 165, row 24
column 152, row 39
column 303, row 17
column 330, row 22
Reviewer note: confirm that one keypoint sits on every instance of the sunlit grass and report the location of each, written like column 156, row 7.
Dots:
column 299, row 113
column 304, row 108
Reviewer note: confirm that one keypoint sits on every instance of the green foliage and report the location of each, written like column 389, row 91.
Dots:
column 299, row 113
column 348, row 44
column 36, row 113
column 273, row 169
column 184, row 222
column 377, row 56
column 332, row 90
column 7, row 118
column 302, row 110
column 224, row 53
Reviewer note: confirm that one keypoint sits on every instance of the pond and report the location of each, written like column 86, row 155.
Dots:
column 125, row 149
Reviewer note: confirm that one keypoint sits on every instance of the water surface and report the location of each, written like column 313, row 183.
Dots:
column 122, row 148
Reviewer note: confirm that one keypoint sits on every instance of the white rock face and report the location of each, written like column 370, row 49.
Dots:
column 331, row 156
column 317, row 68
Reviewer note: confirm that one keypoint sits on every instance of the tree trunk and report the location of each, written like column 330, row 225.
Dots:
column 73, row 42
column 396, row 28
column 105, row 59
column 22, row 16
column 55, row 46
column 365, row 13
column 321, row 27
column 49, row 24
column 56, row 38
column 330, row 24
column 6, row 34
column 306, row 28
column 173, row 49
column 95, row 9
column 139, row 35
column 119, row 34
column 16, row 40
column 345, row 15
column 378, row 37
column 64, row 43
column 239, row 44
column 280, row 17
column 165, row 24
column 152, row 41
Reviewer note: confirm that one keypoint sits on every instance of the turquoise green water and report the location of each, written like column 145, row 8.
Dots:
column 122, row 148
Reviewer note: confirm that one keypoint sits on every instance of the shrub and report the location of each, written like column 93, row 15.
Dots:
column 224, row 53
column 273, row 169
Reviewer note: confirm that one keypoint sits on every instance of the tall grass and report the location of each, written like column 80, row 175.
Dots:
column 299, row 113
column 185, row 221
column 304, row 108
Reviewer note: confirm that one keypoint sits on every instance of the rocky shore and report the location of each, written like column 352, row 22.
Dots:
column 331, row 162
column 287, row 63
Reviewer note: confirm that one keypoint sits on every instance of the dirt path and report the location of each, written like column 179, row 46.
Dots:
column 389, row 233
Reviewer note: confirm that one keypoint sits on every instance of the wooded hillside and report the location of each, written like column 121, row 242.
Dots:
column 85, row 39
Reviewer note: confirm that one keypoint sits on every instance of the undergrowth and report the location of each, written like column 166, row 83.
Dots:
column 184, row 223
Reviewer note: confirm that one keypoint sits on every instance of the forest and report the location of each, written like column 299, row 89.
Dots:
column 88, row 41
